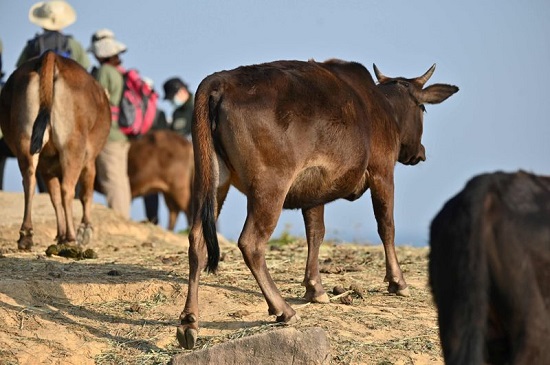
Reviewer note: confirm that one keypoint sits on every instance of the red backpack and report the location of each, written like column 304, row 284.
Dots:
column 138, row 105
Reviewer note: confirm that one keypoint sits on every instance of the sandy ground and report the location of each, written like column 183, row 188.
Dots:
column 122, row 308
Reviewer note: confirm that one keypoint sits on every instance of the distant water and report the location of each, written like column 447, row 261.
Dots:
column 356, row 236
column 344, row 225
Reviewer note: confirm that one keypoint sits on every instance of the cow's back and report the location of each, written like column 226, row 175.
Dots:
column 266, row 112
column 490, row 269
column 160, row 161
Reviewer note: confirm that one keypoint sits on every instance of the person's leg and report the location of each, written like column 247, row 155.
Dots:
column 4, row 154
column 112, row 175
column 152, row 207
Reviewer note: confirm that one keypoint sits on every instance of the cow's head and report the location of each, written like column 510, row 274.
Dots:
column 407, row 97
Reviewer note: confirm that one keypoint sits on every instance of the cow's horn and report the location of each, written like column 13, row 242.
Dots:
column 379, row 75
column 424, row 78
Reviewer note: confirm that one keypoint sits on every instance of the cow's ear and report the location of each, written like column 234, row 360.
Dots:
column 436, row 93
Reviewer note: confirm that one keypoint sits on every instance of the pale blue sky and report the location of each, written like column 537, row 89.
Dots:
column 497, row 52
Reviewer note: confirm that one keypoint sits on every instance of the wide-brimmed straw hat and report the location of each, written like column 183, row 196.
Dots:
column 52, row 15
column 104, row 44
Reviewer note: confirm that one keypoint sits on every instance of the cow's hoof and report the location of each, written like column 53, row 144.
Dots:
column 84, row 234
column 321, row 299
column 405, row 292
column 394, row 288
column 288, row 319
column 187, row 337
column 25, row 241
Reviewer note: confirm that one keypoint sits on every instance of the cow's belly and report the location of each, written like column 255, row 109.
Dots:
column 316, row 185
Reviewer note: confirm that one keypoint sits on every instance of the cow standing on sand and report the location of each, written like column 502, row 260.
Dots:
column 298, row 135
column 162, row 161
column 55, row 118
column 490, row 271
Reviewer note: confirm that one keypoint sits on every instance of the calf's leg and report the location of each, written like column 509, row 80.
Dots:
column 315, row 232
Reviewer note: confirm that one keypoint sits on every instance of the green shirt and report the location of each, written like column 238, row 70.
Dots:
column 78, row 53
column 111, row 79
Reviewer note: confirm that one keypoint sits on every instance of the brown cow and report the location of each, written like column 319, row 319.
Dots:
column 298, row 135
column 162, row 161
column 490, row 271
column 55, row 118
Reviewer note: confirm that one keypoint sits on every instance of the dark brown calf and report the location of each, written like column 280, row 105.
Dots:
column 55, row 118
column 490, row 271
column 298, row 135
column 162, row 161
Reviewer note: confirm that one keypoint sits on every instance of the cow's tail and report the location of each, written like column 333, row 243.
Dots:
column 45, row 92
column 205, row 116
column 459, row 275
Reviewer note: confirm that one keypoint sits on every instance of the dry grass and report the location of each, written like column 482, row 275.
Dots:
column 123, row 307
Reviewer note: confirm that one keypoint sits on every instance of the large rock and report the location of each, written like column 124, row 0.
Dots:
column 280, row 347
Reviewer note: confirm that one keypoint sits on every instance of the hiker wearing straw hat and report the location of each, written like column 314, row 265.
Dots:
column 112, row 162
column 53, row 16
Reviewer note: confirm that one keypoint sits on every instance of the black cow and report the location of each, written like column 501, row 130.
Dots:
column 490, row 271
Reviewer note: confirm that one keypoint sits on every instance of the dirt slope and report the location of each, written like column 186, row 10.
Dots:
column 122, row 307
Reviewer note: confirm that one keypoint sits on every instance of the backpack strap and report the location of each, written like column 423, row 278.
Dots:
column 115, row 109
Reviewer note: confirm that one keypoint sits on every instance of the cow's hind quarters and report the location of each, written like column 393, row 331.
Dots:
column 25, row 239
column 84, row 234
column 188, row 331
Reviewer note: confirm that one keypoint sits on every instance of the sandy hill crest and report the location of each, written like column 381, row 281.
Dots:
column 122, row 307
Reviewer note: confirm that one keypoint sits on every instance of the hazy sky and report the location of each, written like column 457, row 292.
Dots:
column 497, row 52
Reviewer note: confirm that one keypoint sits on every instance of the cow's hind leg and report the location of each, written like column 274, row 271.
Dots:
column 27, row 167
column 315, row 233
column 264, row 210
column 187, row 332
column 54, row 189
column 71, row 167
column 87, row 177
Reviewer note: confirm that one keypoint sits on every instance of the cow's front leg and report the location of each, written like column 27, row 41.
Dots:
column 382, row 190
column 315, row 233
